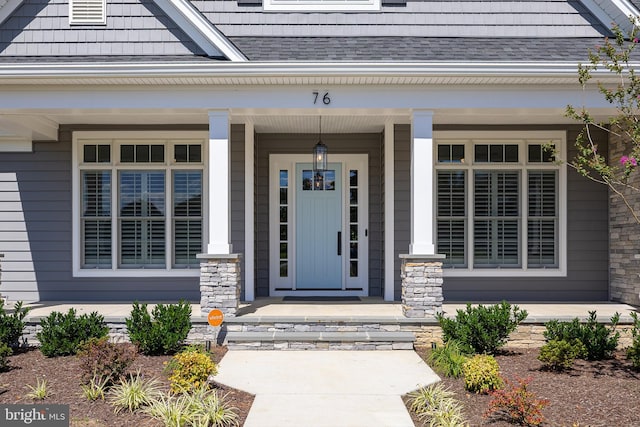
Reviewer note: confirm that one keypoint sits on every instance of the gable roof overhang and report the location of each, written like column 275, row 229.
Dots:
column 186, row 17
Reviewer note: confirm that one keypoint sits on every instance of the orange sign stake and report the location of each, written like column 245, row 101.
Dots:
column 215, row 317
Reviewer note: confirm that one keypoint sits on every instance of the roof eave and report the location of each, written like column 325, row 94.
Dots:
column 283, row 73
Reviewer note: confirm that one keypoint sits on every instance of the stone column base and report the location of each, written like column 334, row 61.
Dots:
column 421, row 285
column 220, row 283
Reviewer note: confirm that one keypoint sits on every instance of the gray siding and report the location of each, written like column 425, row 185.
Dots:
column 238, row 195
column 402, row 200
column 134, row 27
column 293, row 143
column 36, row 233
column 587, row 253
column 422, row 18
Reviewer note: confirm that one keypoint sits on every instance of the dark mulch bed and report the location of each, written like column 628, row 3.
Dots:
column 63, row 383
column 600, row 393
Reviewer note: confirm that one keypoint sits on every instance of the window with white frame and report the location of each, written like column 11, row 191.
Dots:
column 139, row 203
column 322, row 5
column 498, row 204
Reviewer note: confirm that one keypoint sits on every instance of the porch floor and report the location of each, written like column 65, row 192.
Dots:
column 367, row 308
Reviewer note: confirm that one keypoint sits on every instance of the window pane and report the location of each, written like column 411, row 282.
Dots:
column 187, row 241
column 283, row 250
column 96, row 193
column 187, row 193
column 142, row 242
column 90, row 154
column 284, row 233
column 96, row 236
column 283, row 214
column 542, row 222
column 330, row 180
column 195, row 153
column 284, row 178
column 127, row 154
column 157, row 153
column 353, row 178
column 142, row 154
column 353, row 196
column 444, row 154
column 481, row 153
column 496, row 153
column 353, row 214
column 535, row 153
column 307, row 180
column 451, row 241
column 353, row 268
column 496, row 239
column 180, row 153
column 353, row 250
column 284, row 268
column 511, row 153
column 451, row 193
column 283, row 196
column 353, row 232
column 457, row 152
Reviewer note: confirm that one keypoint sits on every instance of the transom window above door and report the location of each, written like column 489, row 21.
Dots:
column 138, row 204
column 501, row 203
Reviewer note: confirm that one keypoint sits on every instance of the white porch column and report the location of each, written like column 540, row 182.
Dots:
column 422, row 241
column 219, row 184
column 249, row 243
column 389, row 210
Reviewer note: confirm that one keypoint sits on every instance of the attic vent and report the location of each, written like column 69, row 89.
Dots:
column 87, row 12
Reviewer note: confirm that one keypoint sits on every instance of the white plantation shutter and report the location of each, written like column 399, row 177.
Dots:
column 87, row 11
column 542, row 223
column 451, row 222
column 496, row 218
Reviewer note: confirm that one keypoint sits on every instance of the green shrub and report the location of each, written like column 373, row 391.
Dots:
column 559, row 355
column 63, row 334
column 5, row 352
column 165, row 333
column 100, row 358
column 11, row 325
column 633, row 352
column 516, row 404
column 482, row 329
column 134, row 393
column 190, row 369
column 599, row 340
column 436, row 406
column 481, row 374
column 201, row 407
column 447, row 359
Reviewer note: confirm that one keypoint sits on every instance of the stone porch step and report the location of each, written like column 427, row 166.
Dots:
column 320, row 340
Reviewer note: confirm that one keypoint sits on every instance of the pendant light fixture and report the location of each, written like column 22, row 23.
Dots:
column 320, row 152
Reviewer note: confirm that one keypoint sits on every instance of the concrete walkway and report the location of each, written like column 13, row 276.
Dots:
column 326, row 388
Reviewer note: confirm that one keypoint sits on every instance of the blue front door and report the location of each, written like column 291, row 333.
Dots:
column 318, row 227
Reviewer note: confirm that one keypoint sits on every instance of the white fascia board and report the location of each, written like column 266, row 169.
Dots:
column 111, row 72
column 8, row 8
column 201, row 31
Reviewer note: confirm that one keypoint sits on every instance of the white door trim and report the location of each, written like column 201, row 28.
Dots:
column 283, row 286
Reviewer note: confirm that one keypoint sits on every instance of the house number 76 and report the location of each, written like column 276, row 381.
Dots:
column 326, row 100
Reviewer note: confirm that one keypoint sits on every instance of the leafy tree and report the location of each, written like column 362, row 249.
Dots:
column 611, row 67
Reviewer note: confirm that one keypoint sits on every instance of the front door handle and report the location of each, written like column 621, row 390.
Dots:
column 339, row 243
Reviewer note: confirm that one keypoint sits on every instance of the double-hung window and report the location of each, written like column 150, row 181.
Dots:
column 500, row 206
column 138, row 204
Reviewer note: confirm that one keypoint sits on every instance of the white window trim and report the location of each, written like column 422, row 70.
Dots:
column 101, row 19
column 468, row 137
column 115, row 139
column 322, row 5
